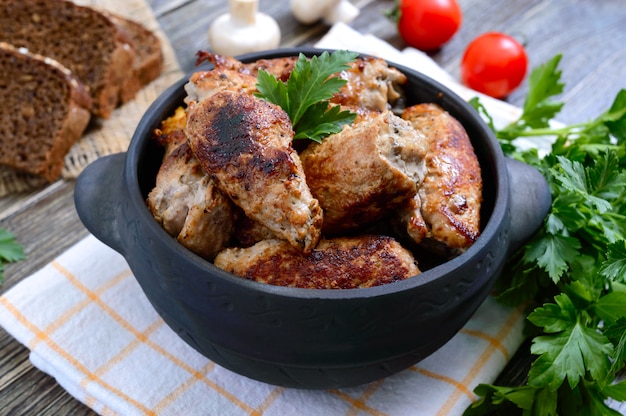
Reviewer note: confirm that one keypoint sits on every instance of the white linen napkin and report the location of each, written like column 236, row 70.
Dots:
column 88, row 324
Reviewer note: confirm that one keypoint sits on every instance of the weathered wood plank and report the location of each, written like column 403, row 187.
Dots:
column 590, row 35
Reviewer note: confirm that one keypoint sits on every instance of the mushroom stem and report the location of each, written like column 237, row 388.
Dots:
column 244, row 29
column 243, row 12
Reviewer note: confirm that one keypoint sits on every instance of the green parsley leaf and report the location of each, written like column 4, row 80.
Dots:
column 306, row 94
column 521, row 285
column 614, row 267
column 568, row 355
column 321, row 120
column 10, row 250
column 572, row 272
column 616, row 391
column 272, row 90
column 502, row 397
column 615, row 118
column 555, row 317
column 553, row 253
column 481, row 109
column 573, row 177
column 604, row 177
column 509, row 400
column 586, row 399
column 616, row 332
column 544, row 83
column 611, row 307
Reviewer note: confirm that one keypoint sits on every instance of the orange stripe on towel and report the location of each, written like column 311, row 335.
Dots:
column 478, row 365
column 140, row 336
column 457, row 385
column 122, row 354
column 66, row 356
column 63, row 318
column 491, row 340
column 182, row 387
column 269, row 399
column 363, row 398
column 359, row 404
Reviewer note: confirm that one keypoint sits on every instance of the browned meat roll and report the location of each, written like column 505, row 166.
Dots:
column 362, row 173
column 444, row 216
column 244, row 143
column 185, row 201
column 339, row 263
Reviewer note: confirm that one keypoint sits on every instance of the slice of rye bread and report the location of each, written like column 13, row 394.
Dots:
column 98, row 51
column 148, row 61
column 45, row 111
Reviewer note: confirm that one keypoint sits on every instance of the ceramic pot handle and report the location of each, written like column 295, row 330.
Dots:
column 98, row 194
column 530, row 201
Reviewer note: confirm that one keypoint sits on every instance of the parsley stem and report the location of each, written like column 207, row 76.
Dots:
column 561, row 132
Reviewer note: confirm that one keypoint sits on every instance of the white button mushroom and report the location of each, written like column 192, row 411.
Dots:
column 331, row 11
column 243, row 30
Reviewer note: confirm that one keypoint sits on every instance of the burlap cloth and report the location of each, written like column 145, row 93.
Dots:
column 112, row 135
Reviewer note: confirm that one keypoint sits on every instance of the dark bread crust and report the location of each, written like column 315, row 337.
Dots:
column 46, row 112
column 148, row 62
column 98, row 51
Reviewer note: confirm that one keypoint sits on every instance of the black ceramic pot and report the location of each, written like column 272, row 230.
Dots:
column 308, row 338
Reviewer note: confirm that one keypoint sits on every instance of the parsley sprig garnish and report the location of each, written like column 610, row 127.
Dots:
column 572, row 273
column 10, row 250
column 306, row 94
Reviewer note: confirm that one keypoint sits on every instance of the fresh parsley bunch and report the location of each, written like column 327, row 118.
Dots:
column 572, row 274
column 306, row 94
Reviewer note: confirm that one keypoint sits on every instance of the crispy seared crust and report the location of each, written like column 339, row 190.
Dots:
column 340, row 263
column 445, row 216
column 245, row 144
column 40, row 131
column 280, row 67
column 231, row 74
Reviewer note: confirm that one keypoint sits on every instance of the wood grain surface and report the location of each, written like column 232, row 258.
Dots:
column 590, row 34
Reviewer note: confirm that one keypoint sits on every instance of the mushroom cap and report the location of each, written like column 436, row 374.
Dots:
column 307, row 11
column 332, row 11
column 227, row 37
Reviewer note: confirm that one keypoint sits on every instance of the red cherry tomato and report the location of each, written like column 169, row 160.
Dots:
column 428, row 24
column 494, row 64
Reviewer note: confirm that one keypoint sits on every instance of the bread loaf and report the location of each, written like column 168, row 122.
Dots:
column 96, row 50
column 148, row 62
column 45, row 110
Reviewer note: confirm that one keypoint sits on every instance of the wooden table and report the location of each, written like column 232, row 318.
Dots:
column 590, row 34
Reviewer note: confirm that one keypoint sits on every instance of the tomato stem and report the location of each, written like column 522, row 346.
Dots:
column 394, row 13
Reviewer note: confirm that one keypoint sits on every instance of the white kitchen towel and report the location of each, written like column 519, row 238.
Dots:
column 88, row 324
